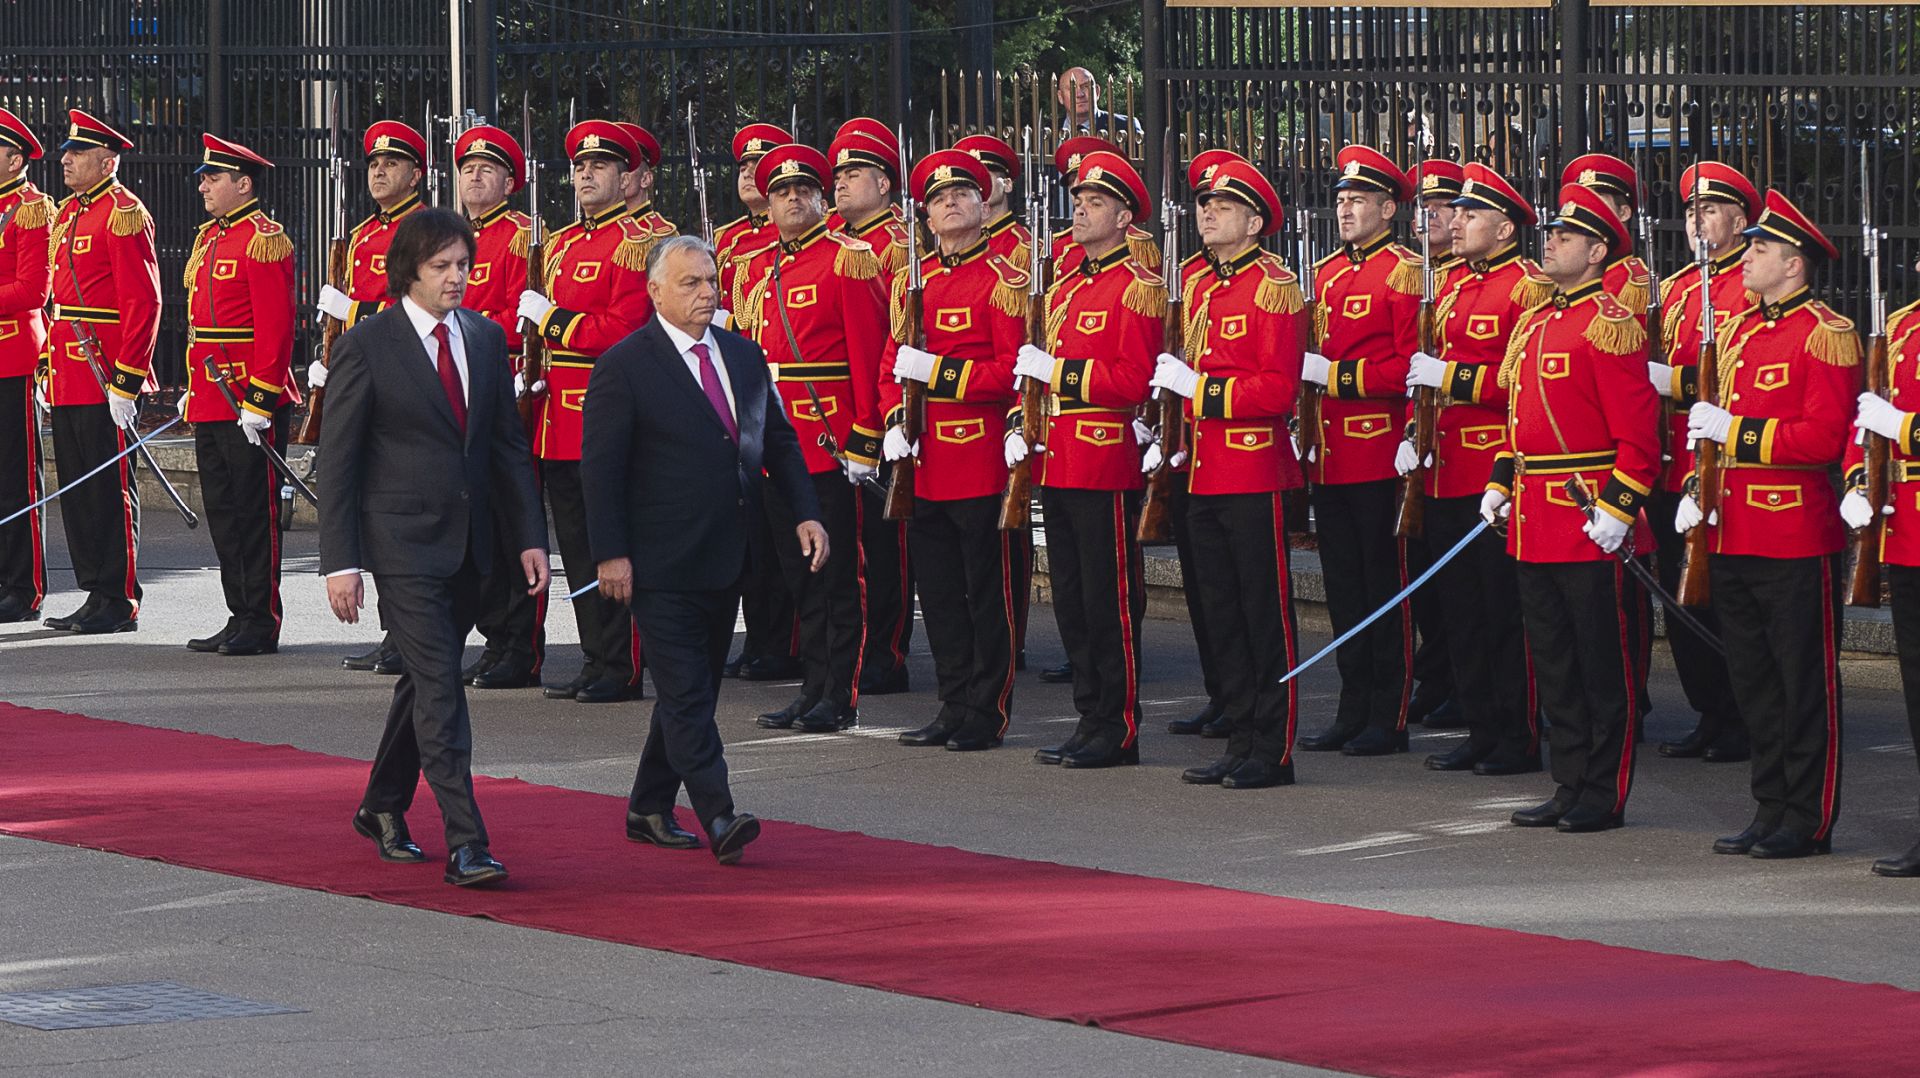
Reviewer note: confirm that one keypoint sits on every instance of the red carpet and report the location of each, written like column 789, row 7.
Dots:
column 1349, row 989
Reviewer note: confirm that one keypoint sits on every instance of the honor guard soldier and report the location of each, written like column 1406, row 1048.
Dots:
column 1369, row 301
column 746, row 235
column 1583, row 426
column 638, row 187
column 26, row 280
column 1900, row 541
column 492, row 167
column 866, row 180
column 1006, row 236
column 974, row 309
column 1104, row 329
column 1066, row 255
column 1628, row 279
column 240, row 311
column 815, row 303
column 1243, row 308
column 105, row 318
column 1477, row 309
column 1791, row 373
column 596, row 294
column 1720, row 205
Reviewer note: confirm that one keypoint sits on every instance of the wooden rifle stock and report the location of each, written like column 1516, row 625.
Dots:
column 913, row 404
column 309, row 432
column 1016, row 508
column 1704, row 487
column 1156, row 521
column 533, row 368
column 1863, row 587
column 1410, row 521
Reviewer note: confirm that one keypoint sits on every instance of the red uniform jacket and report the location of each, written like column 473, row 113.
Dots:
column 1790, row 373
column 1900, row 538
column 1580, row 405
column 1368, row 328
column 1009, row 239
column 888, row 238
column 240, row 314
column 740, row 236
column 1630, row 281
column 1479, row 306
column 1243, row 328
column 105, row 278
column 973, row 311
column 26, row 276
column 1067, row 254
column 366, row 283
column 1682, row 333
column 1104, row 321
column 836, row 305
column 499, row 272
column 597, row 279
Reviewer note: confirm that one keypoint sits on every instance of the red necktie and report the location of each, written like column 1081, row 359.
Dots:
column 716, row 394
column 450, row 378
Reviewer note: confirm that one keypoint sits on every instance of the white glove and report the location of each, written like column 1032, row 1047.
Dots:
column 720, row 316
column 1709, row 421
column 1142, row 433
column 1494, row 507
column 537, row 388
column 1876, row 415
column 1315, row 368
column 1856, row 510
column 1150, row 460
column 316, row 374
column 895, row 446
column 914, row 364
column 1016, row 448
column 181, row 405
column 1407, row 458
column 1686, row 515
column 1175, row 377
column 1426, row 371
column 856, row 471
column 334, row 303
column 123, row 409
column 1607, row 531
column 1031, row 362
column 254, row 425
column 533, row 307
column 1661, row 375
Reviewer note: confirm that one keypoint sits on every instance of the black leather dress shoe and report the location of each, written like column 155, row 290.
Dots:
column 932, row 735
column 1194, row 723
column 1742, row 843
column 1053, row 755
column 1462, row 757
column 1582, row 819
column 1258, row 775
column 389, row 664
column 1690, row 747
column 1546, row 814
column 1729, row 749
column 67, row 623
column 1332, row 739
column 1374, row 741
column 504, row 676
column 1057, row 675
column 1786, row 843
column 250, row 642
column 964, row 740
column 472, row 866
column 101, row 623
column 207, row 645
column 1219, row 729
column 785, row 717
column 568, row 690
column 1508, row 763
column 1212, row 774
column 364, row 661
column 388, row 830
column 730, row 835
column 605, row 690
column 1093, row 756
column 771, row 668
column 1447, row 716
column 1905, row 866
column 662, row 830
column 879, row 682
column 477, row 667
column 825, row 718
column 13, row 608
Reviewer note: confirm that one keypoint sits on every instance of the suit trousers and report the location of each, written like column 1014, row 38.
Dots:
column 889, row 586
column 102, row 515
column 1179, row 515
column 513, row 623
column 1702, row 670
column 1486, row 646
column 23, row 543
column 831, row 602
column 1245, row 585
column 1364, row 565
column 766, row 603
column 1581, row 631
column 241, row 493
column 428, row 618
column 965, row 567
column 687, row 635
column 1780, row 621
column 606, row 633
column 1099, row 600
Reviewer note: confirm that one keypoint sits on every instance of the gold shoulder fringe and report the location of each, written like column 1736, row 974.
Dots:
column 1009, row 299
column 632, row 252
column 1898, row 329
column 897, row 309
column 1143, row 298
column 274, row 246
column 1835, row 344
column 1021, row 254
column 856, row 263
column 1406, row 277
column 128, row 217
column 1633, row 295
column 1530, row 291
column 1144, row 250
column 34, row 213
column 521, row 242
column 195, row 260
column 1278, row 296
column 1617, row 336
column 1319, row 325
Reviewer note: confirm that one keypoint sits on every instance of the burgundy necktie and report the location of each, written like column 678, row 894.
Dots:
column 716, row 396
column 450, row 378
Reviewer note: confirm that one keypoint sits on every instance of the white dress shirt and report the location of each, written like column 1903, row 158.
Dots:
column 423, row 324
column 685, row 344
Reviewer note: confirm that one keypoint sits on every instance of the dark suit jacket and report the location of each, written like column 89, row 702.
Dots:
column 663, row 483
column 403, row 492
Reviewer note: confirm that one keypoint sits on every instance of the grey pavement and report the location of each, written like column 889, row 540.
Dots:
column 383, row 987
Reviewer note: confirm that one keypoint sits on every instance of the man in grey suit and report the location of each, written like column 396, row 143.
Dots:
column 424, row 451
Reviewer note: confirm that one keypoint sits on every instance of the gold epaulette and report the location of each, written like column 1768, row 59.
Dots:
column 270, row 242
column 1633, row 294
column 1021, row 254
column 1407, row 277
column 1516, row 347
column 33, row 213
column 1279, row 291
column 855, row 259
column 1834, row 341
column 1532, row 289
column 1614, row 329
column 635, row 242
column 1146, row 293
column 659, row 226
column 521, row 243
column 1010, row 291
column 129, row 213
column 1141, row 246
column 897, row 309
column 1901, row 324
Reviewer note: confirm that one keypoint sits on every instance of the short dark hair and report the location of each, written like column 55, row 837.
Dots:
column 421, row 235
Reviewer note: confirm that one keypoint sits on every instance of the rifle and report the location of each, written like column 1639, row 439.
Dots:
column 1306, row 412
column 1169, row 429
column 308, row 432
column 432, row 177
column 1656, row 304
column 1016, row 509
column 913, row 395
column 1863, row 588
column 533, row 367
column 1410, row 521
column 1704, row 485
column 699, row 179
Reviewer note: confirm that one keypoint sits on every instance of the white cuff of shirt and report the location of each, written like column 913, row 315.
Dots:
column 343, row 572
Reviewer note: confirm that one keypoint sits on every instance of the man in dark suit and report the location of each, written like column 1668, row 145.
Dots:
column 682, row 423
column 424, row 451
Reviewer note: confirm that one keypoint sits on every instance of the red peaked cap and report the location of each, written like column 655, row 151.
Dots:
column 602, row 138
column 1721, row 183
column 1363, row 168
column 1604, row 172
column 1583, row 210
column 13, row 132
column 1113, row 174
column 492, row 144
column 792, row 163
column 643, row 139
column 1483, row 188
column 1066, row 159
column 949, row 168
column 1232, row 177
column 852, row 149
column 219, row 155
column 394, row 137
column 992, row 152
column 1783, row 221
column 756, row 139
column 84, row 132
column 1435, row 178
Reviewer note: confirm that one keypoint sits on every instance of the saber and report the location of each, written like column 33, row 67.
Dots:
column 1389, row 604
column 98, row 468
column 1584, row 500
column 571, row 596
column 265, row 445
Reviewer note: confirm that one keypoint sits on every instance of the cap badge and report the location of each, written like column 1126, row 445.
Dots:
column 382, row 143
column 591, row 142
column 1352, row 169
column 1095, row 173
column 1588, row 176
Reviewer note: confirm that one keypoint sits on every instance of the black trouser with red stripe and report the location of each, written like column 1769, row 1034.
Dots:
column 1241, row 574
column 1179, row 509
column 1904, row 582
column 964, row 565
column 1702, row 670
column 513, row 623
column 102, row 515
column 889, row 585
column 241, row 493
column 607, row 638
column 1780, row 621
column 1582, row 634
column 831, row 602
column 23, row 545
column 1364, row 566
column 1473, row 593
column 766, row 604
column 1099, row 599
